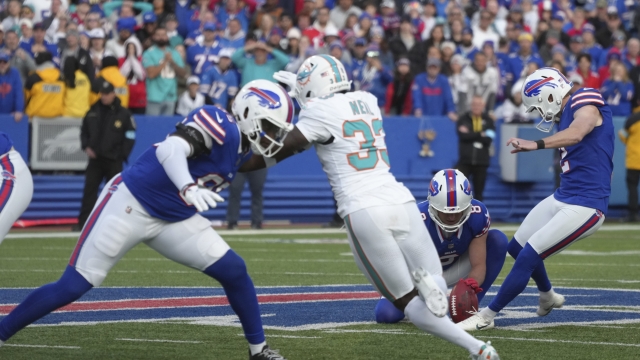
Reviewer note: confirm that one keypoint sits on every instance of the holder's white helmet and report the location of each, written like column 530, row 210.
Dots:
column 449, row 193
column 320, row 75
column 261, row 106
column 544, row 90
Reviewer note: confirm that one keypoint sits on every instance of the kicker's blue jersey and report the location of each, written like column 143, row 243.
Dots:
column 200, row 57
column 219, row 86
column 5, row 143
column 588, row 165
column 452, row 247
column 151, row 186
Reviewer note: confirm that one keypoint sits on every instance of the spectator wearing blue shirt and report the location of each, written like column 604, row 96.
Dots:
column 234, row 36
column 38, row 44
column 517, row 61
column 183, row 15
column 431, row 93
column 201, row 56
column 466, row 47
column 618, row 91
column 631, row 54
column 591, row 47
column 231, row 11
column 219, row 82
column 359, row 54
column 11, row 89
column 374, row 77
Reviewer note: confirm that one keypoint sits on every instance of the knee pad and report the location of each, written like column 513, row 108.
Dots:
column 387, row 313
column 228, row 268
column 514, row 248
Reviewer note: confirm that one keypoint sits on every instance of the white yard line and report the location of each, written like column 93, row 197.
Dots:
column 560, row 341
column 163, row 341
column 507, row 228
column 289, row 336
column 44, row 346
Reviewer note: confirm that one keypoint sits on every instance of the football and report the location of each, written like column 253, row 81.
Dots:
column 463, row 302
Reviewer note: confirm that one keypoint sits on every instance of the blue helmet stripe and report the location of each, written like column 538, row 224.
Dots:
column 334, row 65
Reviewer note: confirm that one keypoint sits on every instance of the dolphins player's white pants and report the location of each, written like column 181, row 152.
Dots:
column 552, row 225
column 16, row 190
column 118, row 223
column 388, row 243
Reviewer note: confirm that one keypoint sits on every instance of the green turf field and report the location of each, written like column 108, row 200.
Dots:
column 607, row 260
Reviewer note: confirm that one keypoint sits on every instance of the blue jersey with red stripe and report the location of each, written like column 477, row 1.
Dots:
column 588, row 165
column 451, row 246
column 5, row 143
column 151, row 186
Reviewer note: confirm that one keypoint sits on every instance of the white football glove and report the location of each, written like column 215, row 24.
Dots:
column 203, row 199
column 288, row 78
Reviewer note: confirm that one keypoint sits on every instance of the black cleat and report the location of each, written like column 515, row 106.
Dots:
column 266, row 354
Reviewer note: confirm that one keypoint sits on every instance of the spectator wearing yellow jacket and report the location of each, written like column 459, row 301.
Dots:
column 111, row 73
column 44, row 89
column 630, row 136
column 78, row 88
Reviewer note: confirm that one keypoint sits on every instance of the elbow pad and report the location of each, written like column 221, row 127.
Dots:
column 194, row 138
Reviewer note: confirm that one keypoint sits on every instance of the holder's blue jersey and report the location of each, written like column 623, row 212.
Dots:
column 151, row 186
column 452, row 247
column 588, row 165
column 5, row 143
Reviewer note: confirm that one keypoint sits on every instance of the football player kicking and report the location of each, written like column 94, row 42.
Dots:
column 459, row 227
column 578, row 207
column 385, row 229
column 16, row 186
column 156, row 201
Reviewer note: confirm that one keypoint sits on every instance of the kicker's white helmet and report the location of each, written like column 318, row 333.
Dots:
column 320, row 75
column 449, row 192
column 262, row 105
column 544, row 90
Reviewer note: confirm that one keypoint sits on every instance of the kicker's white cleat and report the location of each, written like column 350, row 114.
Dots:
column 430, row 292
column 545, row 307
column 476, row 323
column 487, row 352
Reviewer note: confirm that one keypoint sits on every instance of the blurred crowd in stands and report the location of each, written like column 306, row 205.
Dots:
column 417, row 57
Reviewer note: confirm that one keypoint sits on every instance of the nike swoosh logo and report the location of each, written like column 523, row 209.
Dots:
column 550, row 307
column 482, row 327
column 219, row 120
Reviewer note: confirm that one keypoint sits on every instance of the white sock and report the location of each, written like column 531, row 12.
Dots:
column 1, row 343
column 255, row 349
column 488, row 313
column 418, row 313
column 547, row 295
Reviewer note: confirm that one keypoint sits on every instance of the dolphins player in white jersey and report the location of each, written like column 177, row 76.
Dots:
column 389, row 241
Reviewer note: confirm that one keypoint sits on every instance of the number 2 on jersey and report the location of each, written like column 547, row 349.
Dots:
column 373, row 154
column 564, row 164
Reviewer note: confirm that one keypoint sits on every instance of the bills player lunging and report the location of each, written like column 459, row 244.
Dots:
column 156, row 202
column 16, row 185
column 577, row 209
column 459, row 227
column 385, row 229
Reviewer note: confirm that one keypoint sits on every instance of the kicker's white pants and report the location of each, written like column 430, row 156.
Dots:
column 388, row 243
column 552, row 225
column 16, row 190
column 118, row 223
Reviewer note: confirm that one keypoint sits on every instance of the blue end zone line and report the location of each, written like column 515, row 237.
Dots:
column 505, row 228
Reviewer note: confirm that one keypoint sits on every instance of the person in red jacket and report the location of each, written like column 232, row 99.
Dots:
column 399, row 90
column 589, row 78
column 131, row 68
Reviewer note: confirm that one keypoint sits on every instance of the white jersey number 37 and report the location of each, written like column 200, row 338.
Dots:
column 372, row 154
